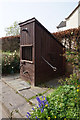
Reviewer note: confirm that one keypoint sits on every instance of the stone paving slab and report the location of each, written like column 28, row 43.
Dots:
column 0, row 110
column 23, row 109
column 5, row 112
column 17, row 84
column 16, row 115
column 35, row 102
column 11, row 77
column 38, row 90
column 0, row 91
column 33, row 91
column 27, row 93
column 14, row 101
column 5, row 88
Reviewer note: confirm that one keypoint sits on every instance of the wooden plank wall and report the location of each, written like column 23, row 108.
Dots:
column 50, row 49
column 27, row 39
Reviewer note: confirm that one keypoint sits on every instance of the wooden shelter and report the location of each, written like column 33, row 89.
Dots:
column 40, row 53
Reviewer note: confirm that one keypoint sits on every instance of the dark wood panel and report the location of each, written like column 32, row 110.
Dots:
column 45, row 45
column 27, row 72
column 50, row 49
column 27, row 37
column 27, row 53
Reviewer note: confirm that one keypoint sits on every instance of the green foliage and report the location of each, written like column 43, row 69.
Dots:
column 13, row 30
column 40, row 111
column 68, row 37
column 10, row 62
column 72, row 80
column 73, row 56
column 62, row 103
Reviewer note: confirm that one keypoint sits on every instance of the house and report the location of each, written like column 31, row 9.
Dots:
column 72, row 21
column 40, row 53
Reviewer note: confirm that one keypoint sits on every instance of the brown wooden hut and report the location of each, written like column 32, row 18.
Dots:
column 40, row 53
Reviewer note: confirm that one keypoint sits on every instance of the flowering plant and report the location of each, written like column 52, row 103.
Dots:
column 72, row 80
column 41, row 111
column 62, row 103
column 10, row 62
column 65, row 102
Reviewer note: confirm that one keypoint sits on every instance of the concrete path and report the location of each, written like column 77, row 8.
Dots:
column 15, row 103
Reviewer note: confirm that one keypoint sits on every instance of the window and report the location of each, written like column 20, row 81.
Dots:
column 27, row 53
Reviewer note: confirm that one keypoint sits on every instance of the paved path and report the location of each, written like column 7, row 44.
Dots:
column 17, row 103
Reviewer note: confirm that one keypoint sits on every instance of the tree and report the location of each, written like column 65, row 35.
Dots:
column 13, row 30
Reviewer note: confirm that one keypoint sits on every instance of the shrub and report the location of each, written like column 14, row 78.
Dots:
column 68, row 37
column 39, row 111
column 63, row 103
column 72, row 80
column 10, row 43
column 10, row 62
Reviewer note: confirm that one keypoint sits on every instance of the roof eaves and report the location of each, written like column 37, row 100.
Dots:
column 72, row 12
column 27, row 21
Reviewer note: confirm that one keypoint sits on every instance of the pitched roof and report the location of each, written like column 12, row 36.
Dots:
column 73, row 11
column 62, row 24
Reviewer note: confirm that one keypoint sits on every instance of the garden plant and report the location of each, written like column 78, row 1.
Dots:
column 64, row 102
column 10, row 62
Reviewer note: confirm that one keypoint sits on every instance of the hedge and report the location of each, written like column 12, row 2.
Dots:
column 68, row 36
column 10, row 43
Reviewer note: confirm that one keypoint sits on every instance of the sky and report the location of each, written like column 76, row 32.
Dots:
column 48, row 12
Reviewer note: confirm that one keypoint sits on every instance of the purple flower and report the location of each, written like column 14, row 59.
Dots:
column 27, row 116
column 43, row 103
column 42, row 97
column 32, row 108
column 37, row 118
column 39, row 105
column 28, row 113
column 42, row 110
column 38, row 99
column 47, row 103
column 45, row 99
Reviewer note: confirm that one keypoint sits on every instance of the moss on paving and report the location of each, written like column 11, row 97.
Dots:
column 39, row 94
column 33, row 97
